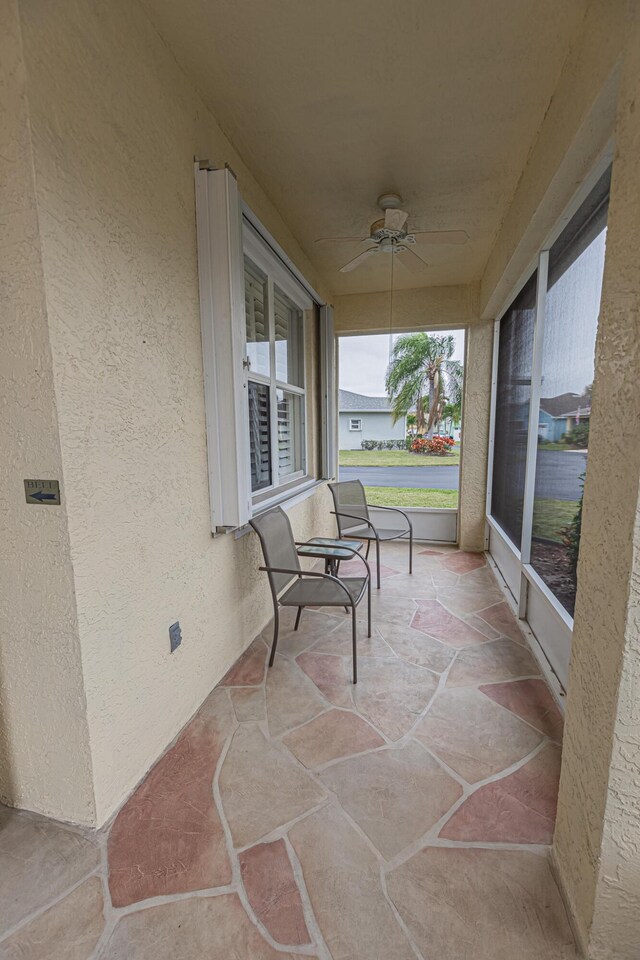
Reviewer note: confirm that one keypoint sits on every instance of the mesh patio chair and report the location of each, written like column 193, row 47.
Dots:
column 309, row 588
column 352, row 514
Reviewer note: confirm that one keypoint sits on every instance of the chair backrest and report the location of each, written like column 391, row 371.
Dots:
column 278, row 545
column 349, row 497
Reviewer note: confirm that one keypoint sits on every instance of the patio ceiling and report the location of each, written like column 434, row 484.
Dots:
column 332, row 103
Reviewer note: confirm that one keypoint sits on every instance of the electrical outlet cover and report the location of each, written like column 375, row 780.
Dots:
column 175, row 635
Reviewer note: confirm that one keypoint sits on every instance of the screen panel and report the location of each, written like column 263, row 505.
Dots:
column 513, row 396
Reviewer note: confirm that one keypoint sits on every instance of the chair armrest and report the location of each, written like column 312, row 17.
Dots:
column 396, row 510
column 351, row 516
column 310, row 573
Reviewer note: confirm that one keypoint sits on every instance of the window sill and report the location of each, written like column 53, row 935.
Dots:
column 285, row 499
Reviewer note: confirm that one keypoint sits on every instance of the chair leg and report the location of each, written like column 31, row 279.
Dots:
column 276, row 628
column 410, row 550
column 298, row 615
column 369, row 608
column 378, row 562
column 353, row 642
column 366, row 556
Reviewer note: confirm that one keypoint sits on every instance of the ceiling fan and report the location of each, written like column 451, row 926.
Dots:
column 389, row 235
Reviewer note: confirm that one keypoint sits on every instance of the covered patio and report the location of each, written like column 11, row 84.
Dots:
column 300, row 815
column 198, row 200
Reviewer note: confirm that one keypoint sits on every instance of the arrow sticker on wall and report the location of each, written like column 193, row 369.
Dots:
column 42, row 491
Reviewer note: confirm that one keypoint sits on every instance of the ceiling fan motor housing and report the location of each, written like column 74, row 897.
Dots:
column 379, row 232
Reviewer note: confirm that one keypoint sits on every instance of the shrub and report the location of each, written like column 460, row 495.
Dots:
column 440, row 446
column 578, row 435
column 384, row 444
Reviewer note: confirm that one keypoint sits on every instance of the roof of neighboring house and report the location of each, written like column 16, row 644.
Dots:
column 567, row 405
column 349, row 402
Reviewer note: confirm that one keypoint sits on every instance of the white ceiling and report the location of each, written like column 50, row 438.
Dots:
column 332, row 102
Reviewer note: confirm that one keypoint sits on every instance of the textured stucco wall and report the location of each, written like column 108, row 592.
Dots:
column 576, row 127
column 416, row 309
column 597, row 840
column 475, row 436
column 115, row 129
column 44, row 742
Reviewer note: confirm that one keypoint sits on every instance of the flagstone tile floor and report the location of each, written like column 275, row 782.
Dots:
column 298, row 815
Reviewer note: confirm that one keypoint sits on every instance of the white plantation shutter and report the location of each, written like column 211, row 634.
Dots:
column 259, row 435
column 286, row 463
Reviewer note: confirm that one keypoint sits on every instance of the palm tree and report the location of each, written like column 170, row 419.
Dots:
column 421, row 369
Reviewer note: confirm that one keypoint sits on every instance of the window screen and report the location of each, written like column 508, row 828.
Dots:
column 512, row 411
column 576, row 266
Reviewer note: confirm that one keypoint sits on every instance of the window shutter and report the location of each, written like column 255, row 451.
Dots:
column 223, row 324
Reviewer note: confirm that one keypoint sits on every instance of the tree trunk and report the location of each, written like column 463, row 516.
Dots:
column 420, row 415
column 432, row 397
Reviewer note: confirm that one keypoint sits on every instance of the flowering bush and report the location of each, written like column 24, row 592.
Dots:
column 438, row 446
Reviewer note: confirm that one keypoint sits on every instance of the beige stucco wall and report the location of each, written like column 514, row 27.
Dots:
column 574, row 134
column 44, row 740
column 475, row 436
column 597, row 840
column 415, row 309
column 115, row 129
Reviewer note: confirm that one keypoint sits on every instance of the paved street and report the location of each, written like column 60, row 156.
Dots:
column 435, row 478
column 558, row 475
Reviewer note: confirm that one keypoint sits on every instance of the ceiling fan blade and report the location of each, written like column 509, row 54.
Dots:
column 338, row 239
column 352, row 264
column 410, row 259
column 395, row 219
column 441, row 236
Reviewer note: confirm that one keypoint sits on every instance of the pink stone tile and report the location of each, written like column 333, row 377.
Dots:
column 329, row 673
column 438, row 622
column 273, row 892
column 337, row 733
column 168, row 837
column 461, row 562
column 520, row 808
column 500, row 617
column 248, row 670
column 531, row 700
column 430, row 553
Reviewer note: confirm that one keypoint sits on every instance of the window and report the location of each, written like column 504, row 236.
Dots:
column 355, row 424
column 276, row 382
column 515, row 353
column 257, row 314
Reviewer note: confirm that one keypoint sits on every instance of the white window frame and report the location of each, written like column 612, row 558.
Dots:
column 534, row 600
column 259, row 253
column 226, row 230
column 357, row 420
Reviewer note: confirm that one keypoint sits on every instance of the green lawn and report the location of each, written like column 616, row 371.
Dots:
column 409, row 497
column 551, row 516
column 395, row 458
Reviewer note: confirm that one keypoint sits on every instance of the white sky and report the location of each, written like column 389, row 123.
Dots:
column 364, row 361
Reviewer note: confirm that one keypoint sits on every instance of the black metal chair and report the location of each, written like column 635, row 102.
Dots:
column 310, row 588
column 352, row 514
